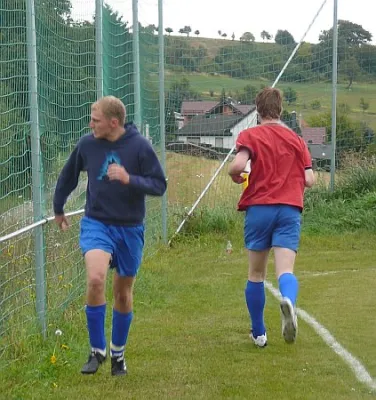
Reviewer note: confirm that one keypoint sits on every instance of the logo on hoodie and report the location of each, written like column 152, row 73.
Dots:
column 111, row 158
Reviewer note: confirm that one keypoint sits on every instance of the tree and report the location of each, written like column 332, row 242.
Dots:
column 220, row 33
column 350, row 68
column 150, row 29
column 363, row 104
column 187, row 30
column 178, row 92
column 233, row 36
column 248, row 94
column 247, row 37
column 350, row 133
column 197, row 32
column 224, row 35
column 352, row 39
column 169, row 31
column 353, row 35
column 290, row 95
column 284, row 37
column 179, row 52
column 223, row 95
column 265, row 35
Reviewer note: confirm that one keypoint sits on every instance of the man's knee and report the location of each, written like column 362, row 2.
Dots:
column 123, row 291
column 97, row 262
column 96, row 282
column 123, row 296
column 256, row 276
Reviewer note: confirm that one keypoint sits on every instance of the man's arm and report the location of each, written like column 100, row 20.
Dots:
column 239, row 163
column 152, row 180
column 309, row 178
column 309, row 175
column 67, row 181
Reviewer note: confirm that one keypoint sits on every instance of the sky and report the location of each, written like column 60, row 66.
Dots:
column 239, row 16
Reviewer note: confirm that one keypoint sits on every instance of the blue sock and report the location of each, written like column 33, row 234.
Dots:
column 95, row 316
column 288, row 286
column 255, row 298
column 120, row 329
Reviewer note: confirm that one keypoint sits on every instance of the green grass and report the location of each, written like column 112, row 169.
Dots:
column 190, row 339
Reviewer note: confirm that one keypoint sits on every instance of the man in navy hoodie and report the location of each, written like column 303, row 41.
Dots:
column 122, row 168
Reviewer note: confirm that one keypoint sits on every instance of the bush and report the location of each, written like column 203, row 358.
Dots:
column 316, row 105
column 207, row 220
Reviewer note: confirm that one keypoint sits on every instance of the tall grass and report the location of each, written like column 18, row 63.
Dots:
column 351, row 205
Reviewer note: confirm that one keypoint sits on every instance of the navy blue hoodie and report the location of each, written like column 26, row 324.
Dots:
column 112, row 202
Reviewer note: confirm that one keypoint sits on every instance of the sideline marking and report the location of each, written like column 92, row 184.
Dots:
column 355, row 365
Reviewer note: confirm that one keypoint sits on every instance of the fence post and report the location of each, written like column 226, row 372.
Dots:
column 99, row 47
column 162, row 123
column 334, row 96
column 136, row 65
column 37, row 167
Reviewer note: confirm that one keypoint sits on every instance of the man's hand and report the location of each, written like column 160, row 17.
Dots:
column 62, row 222
column 117, row 172
column 238, row 179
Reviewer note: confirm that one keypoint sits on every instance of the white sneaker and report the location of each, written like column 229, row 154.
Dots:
column 259, row 341
column 289, row 320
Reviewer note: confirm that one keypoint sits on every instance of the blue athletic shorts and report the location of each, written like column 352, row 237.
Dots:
column 124, row 243
column 269, row 226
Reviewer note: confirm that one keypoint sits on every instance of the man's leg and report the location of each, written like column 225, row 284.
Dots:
column 288, row 286
column 97, row 262
column 285, row 243
column 259, row 222
column 255, row 294
column 121, row 321
column 284, row 266
column 96, row 244
column 127, row 261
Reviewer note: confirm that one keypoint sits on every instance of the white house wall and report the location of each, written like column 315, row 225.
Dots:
column 248, row 122
column 228, row 141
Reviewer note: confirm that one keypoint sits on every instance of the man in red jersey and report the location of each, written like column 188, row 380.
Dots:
column 281, row 168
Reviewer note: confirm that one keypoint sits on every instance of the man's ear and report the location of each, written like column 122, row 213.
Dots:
column 114, row 123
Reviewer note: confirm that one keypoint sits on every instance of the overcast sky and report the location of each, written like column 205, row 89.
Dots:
column 239, row 16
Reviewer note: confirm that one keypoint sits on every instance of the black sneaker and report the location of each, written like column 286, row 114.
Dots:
column 94, row 361
column 118, row 366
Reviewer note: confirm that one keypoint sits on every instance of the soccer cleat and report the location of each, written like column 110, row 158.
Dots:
column 118, row 366
column 259, row 341
column 289, row 320
column 94, row 361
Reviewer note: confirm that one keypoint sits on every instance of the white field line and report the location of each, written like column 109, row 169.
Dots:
column 356, row 366
column 309, row 274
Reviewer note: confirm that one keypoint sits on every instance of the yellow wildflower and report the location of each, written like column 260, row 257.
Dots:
column 53, row 359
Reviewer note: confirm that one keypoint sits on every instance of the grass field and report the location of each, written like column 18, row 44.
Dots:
column 190, row 339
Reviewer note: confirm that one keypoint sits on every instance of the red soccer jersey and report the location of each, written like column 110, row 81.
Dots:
column 279, row 158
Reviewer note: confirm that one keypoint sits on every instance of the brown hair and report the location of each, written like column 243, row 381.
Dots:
column 111, row 107
column 269, row 103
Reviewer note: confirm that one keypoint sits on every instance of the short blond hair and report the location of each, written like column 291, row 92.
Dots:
column 111, row 107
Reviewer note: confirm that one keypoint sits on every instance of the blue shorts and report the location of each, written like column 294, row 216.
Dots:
column 124, row 243
column 269, row 226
